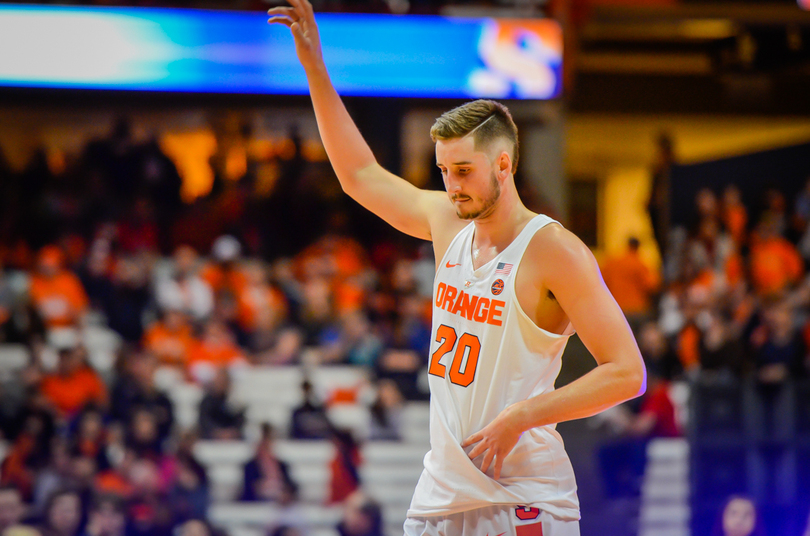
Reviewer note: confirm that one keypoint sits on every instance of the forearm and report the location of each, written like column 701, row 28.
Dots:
column 347, row 150
column 603, row 387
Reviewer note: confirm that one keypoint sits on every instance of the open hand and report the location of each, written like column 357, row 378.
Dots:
column 496, row 440
column 300, row 19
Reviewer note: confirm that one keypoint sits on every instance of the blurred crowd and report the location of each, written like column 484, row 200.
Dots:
column 246, row 277
column 731, row 300
column 96, row 242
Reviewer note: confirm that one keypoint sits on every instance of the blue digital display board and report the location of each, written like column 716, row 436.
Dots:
column 201, row 51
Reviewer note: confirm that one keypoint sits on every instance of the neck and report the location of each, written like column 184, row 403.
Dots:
column 499, row 227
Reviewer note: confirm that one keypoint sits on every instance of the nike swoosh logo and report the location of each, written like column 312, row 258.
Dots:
column 501, row 534
column 448, row 265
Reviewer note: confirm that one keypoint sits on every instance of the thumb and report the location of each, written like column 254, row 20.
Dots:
column 296, row 29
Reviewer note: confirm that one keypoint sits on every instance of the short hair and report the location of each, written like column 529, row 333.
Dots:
column 486, row 119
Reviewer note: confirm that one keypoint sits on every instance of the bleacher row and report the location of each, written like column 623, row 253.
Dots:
column 389, row 469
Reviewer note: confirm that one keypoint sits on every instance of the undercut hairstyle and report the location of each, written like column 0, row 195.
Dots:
column 486, row 120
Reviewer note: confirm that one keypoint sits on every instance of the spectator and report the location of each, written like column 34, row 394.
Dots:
column 735, row 215
column 73, row 385
column 775, row 264
column 63, row 514
column 345, row 466
column 402, row 366
column 779, row 349
column 738, row 517
column 127, row 298
column 285, row 348
column 216, row 350
column 8, row 328
column 260, row 306
column 143, row 436
column 90, row 439
column 12, row 509
column 31, row 449
column 224, row 274
column 170, row 339
column 135, row 389
column 56, row 293
column 189, row 492
column 309, row 420
column 631, row 282
column 218, row 420
column 185, row 290
column 55, row 475
column 106, row 517
column 266, row 478
column 386, row 412
column 354, row 343
column 361, row 517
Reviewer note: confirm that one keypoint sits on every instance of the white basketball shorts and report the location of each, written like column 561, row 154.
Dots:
column 495, row 520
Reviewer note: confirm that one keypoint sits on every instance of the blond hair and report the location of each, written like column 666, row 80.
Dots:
column 485, row 120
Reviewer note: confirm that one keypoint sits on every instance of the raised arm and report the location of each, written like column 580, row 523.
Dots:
column 392, row 198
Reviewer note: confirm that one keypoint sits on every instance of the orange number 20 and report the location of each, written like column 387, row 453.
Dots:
column 468, row 345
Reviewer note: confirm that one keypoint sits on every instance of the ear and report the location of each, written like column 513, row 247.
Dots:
column 504, row 164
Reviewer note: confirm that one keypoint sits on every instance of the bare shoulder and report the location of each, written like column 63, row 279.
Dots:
column 559, row 253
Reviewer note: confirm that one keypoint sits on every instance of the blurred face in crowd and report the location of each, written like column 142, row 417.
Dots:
column 91, row 426
column 185, row 260
column 11, row 507
column 739, row 518
column 70, row 361
column 107, row 519
column 706, row 203
column 144, row 427
column 65, row 513
column 194, row 527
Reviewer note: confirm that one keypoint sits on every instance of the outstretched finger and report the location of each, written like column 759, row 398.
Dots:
column 282, row 10
column 286, row 21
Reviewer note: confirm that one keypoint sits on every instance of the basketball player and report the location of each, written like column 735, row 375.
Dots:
column 511, row 286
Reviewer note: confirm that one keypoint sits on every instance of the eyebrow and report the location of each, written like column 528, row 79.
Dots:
column 464, row 163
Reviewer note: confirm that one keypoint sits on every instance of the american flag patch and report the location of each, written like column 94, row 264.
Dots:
column 503, row 268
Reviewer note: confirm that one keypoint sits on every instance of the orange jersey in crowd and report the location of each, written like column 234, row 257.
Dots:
column 71, row 393
column 219, row 279
column 254, row 302
column 631, row 282
column 775, row 265
column 60, row 299
column 171, row 347
column 221, row 355
column 735, row 218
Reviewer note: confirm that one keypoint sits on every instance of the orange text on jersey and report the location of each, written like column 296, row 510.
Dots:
column 475, row 308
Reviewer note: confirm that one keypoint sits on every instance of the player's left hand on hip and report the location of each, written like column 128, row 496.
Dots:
column 495, row 441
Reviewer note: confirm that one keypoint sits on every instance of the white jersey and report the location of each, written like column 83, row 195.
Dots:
column 487, row 354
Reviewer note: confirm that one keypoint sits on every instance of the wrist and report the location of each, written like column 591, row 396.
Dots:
column 521, row 416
